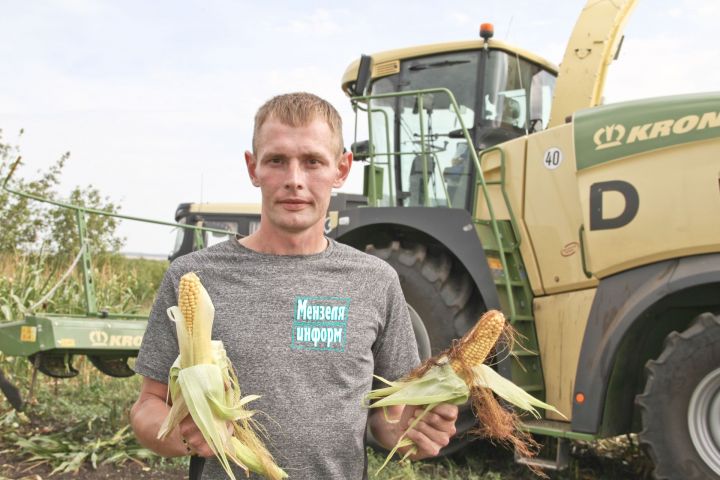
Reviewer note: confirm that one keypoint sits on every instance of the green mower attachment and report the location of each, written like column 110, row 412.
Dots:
column 50, row 341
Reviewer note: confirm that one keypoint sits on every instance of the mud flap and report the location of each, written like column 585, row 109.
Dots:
column 54, row 365
column 113, row 366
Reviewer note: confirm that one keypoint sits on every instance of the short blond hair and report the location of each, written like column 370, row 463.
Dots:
column 299, row 109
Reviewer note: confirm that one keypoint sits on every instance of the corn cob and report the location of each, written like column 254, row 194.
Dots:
column 197, row 313
column 476, row 345
column 456, row 376
column 203, row 384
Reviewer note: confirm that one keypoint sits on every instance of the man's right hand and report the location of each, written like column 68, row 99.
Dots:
column 147, row 416
column 192, row 438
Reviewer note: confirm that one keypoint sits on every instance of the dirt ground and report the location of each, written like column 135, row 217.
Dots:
column 9, row 469
column 131, row 471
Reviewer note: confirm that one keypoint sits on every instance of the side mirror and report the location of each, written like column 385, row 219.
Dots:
column 377, row 172
column 363, row 76
column 360, row 150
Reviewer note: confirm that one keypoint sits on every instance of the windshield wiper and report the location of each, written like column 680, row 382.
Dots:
column 444, row 63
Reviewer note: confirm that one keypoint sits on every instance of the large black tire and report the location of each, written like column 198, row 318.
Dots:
column 680, row 406
column 445, row 298
column 437, row 287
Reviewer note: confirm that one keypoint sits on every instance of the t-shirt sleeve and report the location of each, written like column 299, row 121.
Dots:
column 159, row 348
column 395, row 349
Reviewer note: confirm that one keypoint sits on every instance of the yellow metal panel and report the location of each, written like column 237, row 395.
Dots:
column 529, row 260
column 514, row 154
column 591, row 48
column 553, row 210
column 679, row 206
column 560, row 323
column 65, row 342
column 225, row 208
column 28, row 333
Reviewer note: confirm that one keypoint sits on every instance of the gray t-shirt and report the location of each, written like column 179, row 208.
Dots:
column 306, row 333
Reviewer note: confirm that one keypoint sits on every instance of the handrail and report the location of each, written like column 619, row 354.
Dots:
column 511, row 213
column 371, row 152
column 581, row 234
column 476, row 162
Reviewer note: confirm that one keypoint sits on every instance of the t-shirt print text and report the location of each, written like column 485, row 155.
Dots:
column 320, row 323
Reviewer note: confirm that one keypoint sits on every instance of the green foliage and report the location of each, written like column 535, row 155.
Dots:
column 101, row 229
column 128, row 285
column 70, row 450
column 122, row 285
column 20, row 218
column 82, row 422
column 28, row 224
column 65, row 435
column 445, row 468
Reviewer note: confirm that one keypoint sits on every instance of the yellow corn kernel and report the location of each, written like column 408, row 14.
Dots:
column 188, row 299
column 198, row 312
column 476, row 345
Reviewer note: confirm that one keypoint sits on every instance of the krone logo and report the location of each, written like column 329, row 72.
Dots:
column 615, row 135
column 331, row 221
column 98, row 338
column 609, row 136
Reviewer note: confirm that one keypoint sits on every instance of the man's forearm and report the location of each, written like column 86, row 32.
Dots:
column 146, row 418
column 387, row 434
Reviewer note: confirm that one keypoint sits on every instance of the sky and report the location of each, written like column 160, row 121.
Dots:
column 155, row 100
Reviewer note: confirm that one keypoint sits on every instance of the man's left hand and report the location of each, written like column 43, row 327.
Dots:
column 432, row 432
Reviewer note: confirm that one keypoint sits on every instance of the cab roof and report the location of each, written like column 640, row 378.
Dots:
column 387, row 62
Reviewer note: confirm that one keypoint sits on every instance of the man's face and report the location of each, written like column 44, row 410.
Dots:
column 296, row 169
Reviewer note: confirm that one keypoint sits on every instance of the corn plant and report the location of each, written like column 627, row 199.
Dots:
column 122, row 285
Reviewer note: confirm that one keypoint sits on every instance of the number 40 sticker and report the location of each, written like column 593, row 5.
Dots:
column 552, row 158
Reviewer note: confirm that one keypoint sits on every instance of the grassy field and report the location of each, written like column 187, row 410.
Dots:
column 78, row 428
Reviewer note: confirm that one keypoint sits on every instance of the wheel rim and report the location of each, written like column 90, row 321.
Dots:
column 704, row 419
column 421, row 336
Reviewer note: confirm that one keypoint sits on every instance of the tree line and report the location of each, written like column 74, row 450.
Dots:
column 27, row 225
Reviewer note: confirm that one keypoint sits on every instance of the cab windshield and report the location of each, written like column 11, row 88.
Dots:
column 421, row 156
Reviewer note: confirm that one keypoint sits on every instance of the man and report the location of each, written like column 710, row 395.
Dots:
column 305, row 320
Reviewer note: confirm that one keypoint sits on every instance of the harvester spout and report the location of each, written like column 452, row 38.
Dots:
column 593, row 45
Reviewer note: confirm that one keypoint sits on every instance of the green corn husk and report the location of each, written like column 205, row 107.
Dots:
column 486, row 377
column 440, row 383
column 203, row 384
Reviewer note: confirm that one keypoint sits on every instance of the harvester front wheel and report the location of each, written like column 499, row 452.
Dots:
column 680, row 406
